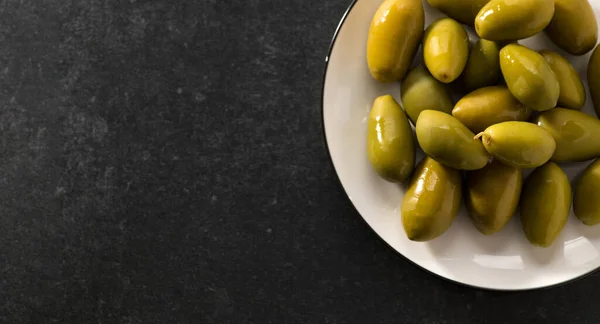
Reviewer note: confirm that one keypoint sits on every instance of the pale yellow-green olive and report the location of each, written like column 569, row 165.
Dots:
column 445, row 49
column 529, row 77
column 487, row 106
column 573, row 27
column 390, row 141
column 492, row 195
column 577, row 134
column 432, row 200
column 545, row 204
column 421, row 91
column 483, row 65
column 572, row 93
column 394, row 36
column 446, row 140
column 586, row 204
column 518, row 144
column 464, row 11
column 593, row 76
column 509, row 20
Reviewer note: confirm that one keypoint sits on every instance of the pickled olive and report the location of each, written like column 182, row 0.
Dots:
column 390, row 141
column 518, row 144
column 394, row 36
column 573, row 27
column 445, row 49
column 529, row 77
column 446, row 140
column 432, row 200
column 508, row 20
column 545, row 204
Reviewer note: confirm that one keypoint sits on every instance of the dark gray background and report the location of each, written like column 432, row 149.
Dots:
column 163, row 162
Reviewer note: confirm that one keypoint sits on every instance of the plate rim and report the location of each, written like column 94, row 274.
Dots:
column 411, row 262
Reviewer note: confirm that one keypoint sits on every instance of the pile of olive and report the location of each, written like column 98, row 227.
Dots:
column 520, row 110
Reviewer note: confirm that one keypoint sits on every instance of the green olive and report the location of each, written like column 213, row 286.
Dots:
column 448, row 141
column 394, row 36
column 573, row 27
column 445, row 49
column 509, row 20
column 518, row 144
column 529, row 77
column 545, row 204
column 572, row 92
column 432, row 200
column 492, row 195
column 421, row 91
column 483, row 65
column 593, row 76
column 586, row 204
column 485, row 107
column 390, row 141
column 464, row 11
column 577, row 134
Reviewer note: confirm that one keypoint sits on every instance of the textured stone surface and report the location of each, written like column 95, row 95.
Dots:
column 163, row 162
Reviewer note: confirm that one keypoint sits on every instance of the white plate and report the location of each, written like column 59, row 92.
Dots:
column 503, row 261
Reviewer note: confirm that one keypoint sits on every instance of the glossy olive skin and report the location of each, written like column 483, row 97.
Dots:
column 432, row 200
column 577, row 134
column 504, row 20
column 492, row 195
column 445, row 49
column 390, row 142
column 586, row 204
column 421, row 91
column 529, row 77
column 483, row 65
column 593, row 77
column 463, row 11
column 519, row 144
column 572, row 92
column 394, row 36
column 445, row 139
column 573, row 27
column 545, row 204
column 487, row 106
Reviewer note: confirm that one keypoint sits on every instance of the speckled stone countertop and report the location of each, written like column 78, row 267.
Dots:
column 163, row 162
